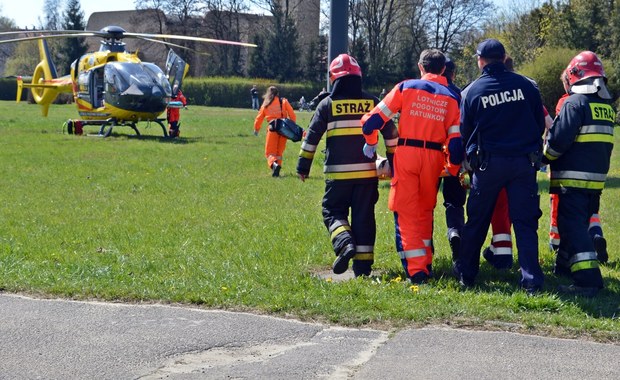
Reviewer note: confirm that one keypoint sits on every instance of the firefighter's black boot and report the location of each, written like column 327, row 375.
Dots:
column 341, row 264
column 600, row 246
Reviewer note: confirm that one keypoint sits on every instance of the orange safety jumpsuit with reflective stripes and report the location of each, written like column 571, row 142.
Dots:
column 274, row 143
column 429, row 120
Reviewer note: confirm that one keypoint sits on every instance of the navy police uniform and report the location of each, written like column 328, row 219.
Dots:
column 351, row 181
column 579, row 150
column 502, row 123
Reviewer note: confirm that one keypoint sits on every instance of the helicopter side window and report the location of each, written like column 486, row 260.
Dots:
column 83, row 86
column 96, row 87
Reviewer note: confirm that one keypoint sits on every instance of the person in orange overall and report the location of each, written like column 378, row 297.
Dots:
column 274, row 108
column 429, row 120
column 595, row 229
column 173, row 114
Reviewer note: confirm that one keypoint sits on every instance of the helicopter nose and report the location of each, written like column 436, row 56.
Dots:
column 157, row 91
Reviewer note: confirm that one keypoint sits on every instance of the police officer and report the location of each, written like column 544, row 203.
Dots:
column 351, row 183
column 582, row 129
column 502, row 123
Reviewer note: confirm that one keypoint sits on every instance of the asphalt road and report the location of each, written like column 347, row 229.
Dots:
column 59, row 339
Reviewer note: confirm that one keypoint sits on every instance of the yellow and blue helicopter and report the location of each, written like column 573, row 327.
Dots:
column 111, row 87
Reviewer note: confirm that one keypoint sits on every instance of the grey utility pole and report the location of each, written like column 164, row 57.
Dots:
column 338, row 31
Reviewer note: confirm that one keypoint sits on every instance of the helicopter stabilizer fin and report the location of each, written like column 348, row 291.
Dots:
column 20, row 87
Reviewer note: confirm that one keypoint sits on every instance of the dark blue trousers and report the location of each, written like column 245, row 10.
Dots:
column 454, row 196
column 518, row 176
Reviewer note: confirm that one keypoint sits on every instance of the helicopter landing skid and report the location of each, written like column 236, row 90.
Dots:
column 106, row 126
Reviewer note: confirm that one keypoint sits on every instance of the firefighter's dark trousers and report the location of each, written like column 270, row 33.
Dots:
column 574, row 210
column 359, row 198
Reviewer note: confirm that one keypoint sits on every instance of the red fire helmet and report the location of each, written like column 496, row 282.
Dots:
column 585, row 65
column 343, row 65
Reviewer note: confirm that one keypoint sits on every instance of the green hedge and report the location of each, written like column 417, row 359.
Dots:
column 8, row 89
column 235, row 92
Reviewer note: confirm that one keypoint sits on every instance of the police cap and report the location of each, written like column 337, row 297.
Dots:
column 491, row 48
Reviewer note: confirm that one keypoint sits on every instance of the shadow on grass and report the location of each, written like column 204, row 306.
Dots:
column 491, row 280
column 160, row 139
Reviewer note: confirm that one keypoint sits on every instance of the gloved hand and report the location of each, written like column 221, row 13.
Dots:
column 369, row 150
column 255, row 133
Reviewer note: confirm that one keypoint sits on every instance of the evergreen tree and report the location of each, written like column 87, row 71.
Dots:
column 258, row 67
column 71, row 48
column 282, row 47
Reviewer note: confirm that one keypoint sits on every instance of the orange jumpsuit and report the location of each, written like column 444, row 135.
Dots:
column 429, row 120
column 173, row 115
column 274, row 143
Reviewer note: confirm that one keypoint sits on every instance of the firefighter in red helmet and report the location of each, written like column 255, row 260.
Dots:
column 351, row 183
column 583, row 128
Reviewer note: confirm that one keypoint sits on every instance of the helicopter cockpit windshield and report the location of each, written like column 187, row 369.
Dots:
column 125, row 78
column 143, row 83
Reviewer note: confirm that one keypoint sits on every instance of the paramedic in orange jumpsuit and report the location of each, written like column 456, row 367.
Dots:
column 429, row 120
column 274, row 108
column 173, row 114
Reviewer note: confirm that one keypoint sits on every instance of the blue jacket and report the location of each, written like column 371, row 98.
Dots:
column 504, row 112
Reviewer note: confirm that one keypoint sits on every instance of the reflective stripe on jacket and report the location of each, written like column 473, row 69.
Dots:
column 580, row 142
column 339, row 120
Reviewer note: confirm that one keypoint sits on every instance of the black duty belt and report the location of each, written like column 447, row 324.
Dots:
column 421, row 144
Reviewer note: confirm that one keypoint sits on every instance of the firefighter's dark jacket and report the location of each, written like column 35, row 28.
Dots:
column 580, row 142
column 492, row 113
column 338, row 116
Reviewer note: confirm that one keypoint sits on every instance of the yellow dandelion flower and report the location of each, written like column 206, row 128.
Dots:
column 224, row 288
column 414, row 288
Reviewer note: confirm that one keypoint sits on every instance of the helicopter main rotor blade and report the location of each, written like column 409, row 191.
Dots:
column 82, row 34
column 35, row 31
column 173, row 44
column 189, row 38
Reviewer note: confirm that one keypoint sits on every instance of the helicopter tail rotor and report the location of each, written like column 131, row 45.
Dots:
column 45, row 85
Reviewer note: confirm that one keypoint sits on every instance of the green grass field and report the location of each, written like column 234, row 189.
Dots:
column 200, row 221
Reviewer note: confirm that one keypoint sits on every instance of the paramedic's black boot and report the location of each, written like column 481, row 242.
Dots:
column 341, row 264
column 275, row 169
column 419, row 278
